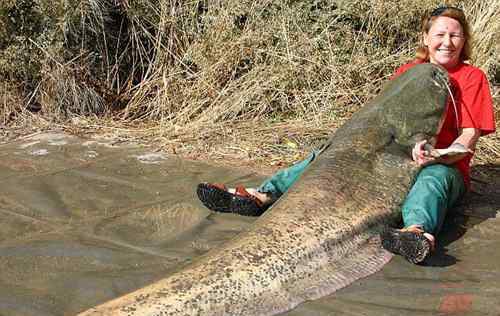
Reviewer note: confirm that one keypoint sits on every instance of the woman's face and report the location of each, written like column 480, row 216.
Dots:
column 445, row 41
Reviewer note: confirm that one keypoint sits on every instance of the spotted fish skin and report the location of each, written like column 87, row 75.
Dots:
column 320, row 236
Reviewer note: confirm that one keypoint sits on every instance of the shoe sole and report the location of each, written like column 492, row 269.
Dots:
column 414, row 247
column 222, row 201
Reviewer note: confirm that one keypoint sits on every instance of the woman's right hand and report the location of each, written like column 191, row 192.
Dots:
column 421, row 155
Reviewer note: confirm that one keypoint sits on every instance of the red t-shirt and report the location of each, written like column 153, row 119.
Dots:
column 472, row 96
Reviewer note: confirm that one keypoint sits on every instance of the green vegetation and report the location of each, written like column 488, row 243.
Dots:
column 268, row 77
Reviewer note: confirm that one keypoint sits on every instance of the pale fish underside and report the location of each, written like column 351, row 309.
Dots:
column 322, row 235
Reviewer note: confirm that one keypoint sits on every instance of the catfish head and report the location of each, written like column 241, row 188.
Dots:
column 417, row 108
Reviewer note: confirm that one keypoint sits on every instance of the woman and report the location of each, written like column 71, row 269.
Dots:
column 442, row 181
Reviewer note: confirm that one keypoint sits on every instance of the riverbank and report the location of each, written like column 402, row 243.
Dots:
column 257, row 146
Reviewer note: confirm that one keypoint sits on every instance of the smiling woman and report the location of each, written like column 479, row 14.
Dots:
column 442, row 181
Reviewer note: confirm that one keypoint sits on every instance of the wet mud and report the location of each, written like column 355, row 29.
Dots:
column 83, row 221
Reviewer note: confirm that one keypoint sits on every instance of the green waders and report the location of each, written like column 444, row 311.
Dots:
column 436, row 189
column 282, row 180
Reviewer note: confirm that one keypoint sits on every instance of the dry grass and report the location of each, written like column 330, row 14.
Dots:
column 262, row 81
column 486, row 29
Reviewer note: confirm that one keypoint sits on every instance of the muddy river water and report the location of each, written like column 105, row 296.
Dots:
column 83, row 221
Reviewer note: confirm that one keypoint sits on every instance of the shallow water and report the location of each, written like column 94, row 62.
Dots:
column 84, row 221
column 87, row 221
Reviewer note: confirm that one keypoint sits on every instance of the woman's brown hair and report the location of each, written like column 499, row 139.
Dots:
column 451, row 12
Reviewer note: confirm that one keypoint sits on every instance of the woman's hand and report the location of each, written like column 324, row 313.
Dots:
column 467, row 138
column 421, row 154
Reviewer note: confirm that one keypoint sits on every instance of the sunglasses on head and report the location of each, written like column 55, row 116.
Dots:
column 439, row 10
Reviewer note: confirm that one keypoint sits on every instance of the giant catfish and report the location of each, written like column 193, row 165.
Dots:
column 323, row 234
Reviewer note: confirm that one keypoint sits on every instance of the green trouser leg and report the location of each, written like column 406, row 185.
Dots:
column 436, row 189
column 282, row 180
